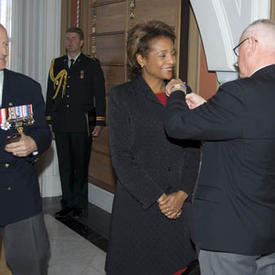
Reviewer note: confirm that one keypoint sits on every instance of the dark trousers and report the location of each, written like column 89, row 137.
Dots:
column 27, row 246
column 73, row 151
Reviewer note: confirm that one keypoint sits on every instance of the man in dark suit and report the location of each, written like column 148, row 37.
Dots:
column 76, row 91
column 21, row 221
column 234, row 205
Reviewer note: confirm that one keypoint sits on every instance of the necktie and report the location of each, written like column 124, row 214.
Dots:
column 72, row 62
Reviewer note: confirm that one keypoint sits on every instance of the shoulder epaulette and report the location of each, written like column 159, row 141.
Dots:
column 93, row 58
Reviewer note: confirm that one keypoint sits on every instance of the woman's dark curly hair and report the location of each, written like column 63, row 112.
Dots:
column 138, row 42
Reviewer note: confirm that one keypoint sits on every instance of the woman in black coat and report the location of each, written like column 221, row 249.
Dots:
column 156, row 175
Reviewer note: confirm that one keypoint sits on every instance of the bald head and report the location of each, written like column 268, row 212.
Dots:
column 257, row 49
column 4, row 47
column 264, row 30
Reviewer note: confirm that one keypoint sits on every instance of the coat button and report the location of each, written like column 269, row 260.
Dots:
column 68, row 96
column 9, row 188
column 169, row 169
column 7, row 165
column 68, row 105
column 68, row 86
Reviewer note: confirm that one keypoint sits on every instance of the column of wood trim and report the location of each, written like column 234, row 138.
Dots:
column 73, row 8
column 65, row 22
column 127, row 27
column 193, row 54
column 272, row 9
column 85, row 9
column 178, row 40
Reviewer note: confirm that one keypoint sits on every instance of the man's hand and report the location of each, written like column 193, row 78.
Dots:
column 96, row 131
column 193, row 100
column 22, row 148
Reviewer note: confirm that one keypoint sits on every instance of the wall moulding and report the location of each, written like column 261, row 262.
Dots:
column 221, row 23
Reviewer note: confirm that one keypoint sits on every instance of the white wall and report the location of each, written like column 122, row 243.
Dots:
column 35, row 41
column 221, row 23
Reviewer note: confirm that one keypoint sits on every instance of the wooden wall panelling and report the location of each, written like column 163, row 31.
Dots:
column 110, row 18
column 272, row 9
column 115, row 76
column 112, row 24
column 85, row 24
column 110, row 49
column 101, row 170
column 164, row 10
column 183, row 34
column 65, row 22
column 193, row 54
column 107, row 2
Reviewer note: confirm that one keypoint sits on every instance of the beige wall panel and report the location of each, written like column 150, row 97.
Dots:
column 165, row 10
column 114, row 75
column 111, row 18
column 110, row 49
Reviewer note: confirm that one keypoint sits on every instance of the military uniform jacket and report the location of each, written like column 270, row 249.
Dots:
column 75, row 92
column 19, row 187
column 234, row 206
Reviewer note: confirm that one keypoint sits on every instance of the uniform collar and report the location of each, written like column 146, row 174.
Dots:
column 75, row 58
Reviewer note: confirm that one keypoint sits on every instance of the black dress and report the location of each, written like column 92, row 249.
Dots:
column 147, row 164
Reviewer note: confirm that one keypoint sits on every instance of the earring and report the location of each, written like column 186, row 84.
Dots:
column 141, row 65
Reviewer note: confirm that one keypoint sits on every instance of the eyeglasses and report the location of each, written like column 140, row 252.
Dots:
column 236, row 49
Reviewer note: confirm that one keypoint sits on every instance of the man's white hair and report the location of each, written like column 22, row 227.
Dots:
column 264, row 30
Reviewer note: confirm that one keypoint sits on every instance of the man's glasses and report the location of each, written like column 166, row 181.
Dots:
column 236, row 50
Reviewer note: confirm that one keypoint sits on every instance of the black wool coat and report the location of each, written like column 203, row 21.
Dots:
column 147, row 164
column 234, row 206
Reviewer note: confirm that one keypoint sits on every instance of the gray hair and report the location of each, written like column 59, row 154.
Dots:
column 264, row 29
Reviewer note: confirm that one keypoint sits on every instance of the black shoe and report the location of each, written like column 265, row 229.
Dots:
column 63, row 212
column 77, row 213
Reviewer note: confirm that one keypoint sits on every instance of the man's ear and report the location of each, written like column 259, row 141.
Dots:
column 253, row 44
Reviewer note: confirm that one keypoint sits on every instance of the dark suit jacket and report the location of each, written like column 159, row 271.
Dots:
column 19, row 188
column 85, row 85
column 147, row 164
column 234, row 208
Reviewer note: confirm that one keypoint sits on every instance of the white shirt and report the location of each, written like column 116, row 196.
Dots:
column 1, row 85
column 69, row 59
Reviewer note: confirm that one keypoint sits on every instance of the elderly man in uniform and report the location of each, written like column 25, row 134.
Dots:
column 234, row 204
column 24, row 135
column 76, row 91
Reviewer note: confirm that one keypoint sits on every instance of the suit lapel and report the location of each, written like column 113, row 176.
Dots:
column 6, row 89
column 146, row 90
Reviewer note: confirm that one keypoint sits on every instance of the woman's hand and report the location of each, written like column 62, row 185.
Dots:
column 175, row 85
column 170, row 205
